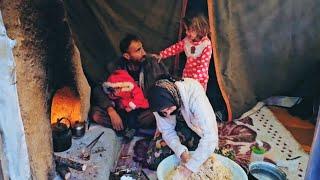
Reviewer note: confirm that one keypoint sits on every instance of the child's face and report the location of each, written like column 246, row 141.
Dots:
column 114, row 94
column 191, row 34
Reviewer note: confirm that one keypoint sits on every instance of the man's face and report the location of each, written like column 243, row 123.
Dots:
column 135, row 52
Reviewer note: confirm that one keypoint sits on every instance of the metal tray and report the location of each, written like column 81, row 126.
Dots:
column 266, row 171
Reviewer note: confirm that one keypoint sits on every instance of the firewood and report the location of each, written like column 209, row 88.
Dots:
column 70, row 163
column 63, row 171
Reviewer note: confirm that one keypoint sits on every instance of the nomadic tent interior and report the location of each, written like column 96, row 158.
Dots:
column 260, row 49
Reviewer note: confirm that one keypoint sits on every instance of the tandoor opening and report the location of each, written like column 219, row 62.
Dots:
column 66, row 104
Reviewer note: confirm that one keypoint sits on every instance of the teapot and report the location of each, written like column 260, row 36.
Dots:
column 78, row 129
column 61, row 135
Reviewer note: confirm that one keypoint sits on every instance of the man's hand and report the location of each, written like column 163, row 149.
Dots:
column 116, row 120
column 185, row 156
column 157, row 57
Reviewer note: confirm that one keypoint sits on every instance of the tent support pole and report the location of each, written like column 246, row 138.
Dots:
column 216, row 62
column 177, row 58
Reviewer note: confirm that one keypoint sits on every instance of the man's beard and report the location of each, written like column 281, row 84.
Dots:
column 136, row 61
column 134, row 66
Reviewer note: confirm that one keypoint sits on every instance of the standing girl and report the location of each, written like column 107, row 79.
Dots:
column 197, row 47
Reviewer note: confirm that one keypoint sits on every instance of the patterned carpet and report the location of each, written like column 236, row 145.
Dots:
column 240, row 135
column 301, row 129
column 261, row 124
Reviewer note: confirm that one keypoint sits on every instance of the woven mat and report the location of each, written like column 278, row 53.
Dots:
column 125, row 160
column 282, row 143
column 257, row 124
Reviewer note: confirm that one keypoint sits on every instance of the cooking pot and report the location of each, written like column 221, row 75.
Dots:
column 78, row 129
column 266, row 171
column 61, row 135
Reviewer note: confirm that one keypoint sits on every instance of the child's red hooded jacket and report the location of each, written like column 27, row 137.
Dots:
column 121, row 87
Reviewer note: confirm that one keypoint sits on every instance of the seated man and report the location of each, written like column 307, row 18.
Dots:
column 144, row 71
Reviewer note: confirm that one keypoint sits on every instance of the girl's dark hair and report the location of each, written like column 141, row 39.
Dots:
column 197, row 23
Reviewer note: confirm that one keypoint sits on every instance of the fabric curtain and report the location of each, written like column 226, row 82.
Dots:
column 265, row 47
column 99, row 25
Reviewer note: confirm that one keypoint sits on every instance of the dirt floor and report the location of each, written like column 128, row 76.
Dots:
column 301, row 129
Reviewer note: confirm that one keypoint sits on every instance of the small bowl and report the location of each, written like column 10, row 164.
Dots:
column 265, row 170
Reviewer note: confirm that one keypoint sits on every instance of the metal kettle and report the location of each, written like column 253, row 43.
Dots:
column 78, row 129
column 61, row 135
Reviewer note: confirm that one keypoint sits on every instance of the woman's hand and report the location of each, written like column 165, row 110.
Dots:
column 157, row 57
column 156, row 134
column 182, row 173
column 185, row 156
column 185, row 171
column 116, row 120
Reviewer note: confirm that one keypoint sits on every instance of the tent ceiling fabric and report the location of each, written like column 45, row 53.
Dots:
column 98, row 27
column 265, row 47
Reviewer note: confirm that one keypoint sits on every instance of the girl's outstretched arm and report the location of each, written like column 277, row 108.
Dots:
column 173, row 49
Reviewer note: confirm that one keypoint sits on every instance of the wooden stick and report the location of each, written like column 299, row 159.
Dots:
column 94, row 141
column 63, row 171
column 145, row 175
column 70, row 163
column 177, row 58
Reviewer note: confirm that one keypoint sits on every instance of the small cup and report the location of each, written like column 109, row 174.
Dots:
column 257, row 154
column 256, row 157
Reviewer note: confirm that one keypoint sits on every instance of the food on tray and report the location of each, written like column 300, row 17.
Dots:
column 211, row 169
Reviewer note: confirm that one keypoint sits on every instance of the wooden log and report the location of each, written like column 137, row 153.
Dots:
column 63, row 171
column 70, row 163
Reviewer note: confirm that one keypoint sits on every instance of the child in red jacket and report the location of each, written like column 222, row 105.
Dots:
column 121, row 87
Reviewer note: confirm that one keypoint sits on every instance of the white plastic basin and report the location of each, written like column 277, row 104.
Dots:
column 170, row 162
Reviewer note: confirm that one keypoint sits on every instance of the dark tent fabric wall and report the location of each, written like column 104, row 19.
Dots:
column 265, row 48
column 99, row 25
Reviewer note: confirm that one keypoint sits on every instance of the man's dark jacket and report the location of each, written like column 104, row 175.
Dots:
column 144, row 73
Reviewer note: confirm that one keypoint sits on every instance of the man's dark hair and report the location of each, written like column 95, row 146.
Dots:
column 126, row 41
